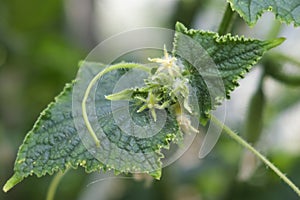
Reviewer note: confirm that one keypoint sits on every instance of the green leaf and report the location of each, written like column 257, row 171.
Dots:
column 54, row 142
column 251, row 10
column 60, row 140
column 123, row 95
column 216, row 63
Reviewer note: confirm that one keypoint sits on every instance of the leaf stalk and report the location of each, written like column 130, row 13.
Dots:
column 227, row 21
column 54, row 184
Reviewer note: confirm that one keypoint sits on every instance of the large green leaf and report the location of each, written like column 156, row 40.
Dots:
column 216, row 63
column 54, row 143
column 287, row 11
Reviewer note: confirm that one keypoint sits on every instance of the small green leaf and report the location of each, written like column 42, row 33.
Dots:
column 123, row 95
column 54, row 143
column 227, row 58
column 251, row 10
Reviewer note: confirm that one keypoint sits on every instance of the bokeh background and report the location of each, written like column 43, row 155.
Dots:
column 41, row 43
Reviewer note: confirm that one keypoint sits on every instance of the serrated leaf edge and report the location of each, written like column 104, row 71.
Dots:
column 251, row 23
column 268, row 44
column 18, row 177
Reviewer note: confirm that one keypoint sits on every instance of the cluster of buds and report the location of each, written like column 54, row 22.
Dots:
column 165, row 87
column 169, row 75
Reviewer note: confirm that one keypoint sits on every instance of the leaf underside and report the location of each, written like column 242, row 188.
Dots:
column 54, row 142
column 287, row 11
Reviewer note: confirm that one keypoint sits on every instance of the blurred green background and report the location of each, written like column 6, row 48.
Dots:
column 41, row 43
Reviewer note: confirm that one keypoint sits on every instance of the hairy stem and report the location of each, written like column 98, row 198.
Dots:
column 54, row 183
column 245, row 144
column 227, row 21
column 93, row 82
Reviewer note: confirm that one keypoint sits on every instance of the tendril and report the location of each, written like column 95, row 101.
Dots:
column 93, row 82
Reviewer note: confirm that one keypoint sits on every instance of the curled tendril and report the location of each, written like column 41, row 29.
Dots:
column 164, row 88
column 93, row 82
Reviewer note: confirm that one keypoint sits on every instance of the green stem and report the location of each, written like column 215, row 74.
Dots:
column 275, row 29
column 286, row 78
column 245, row 144
column 255, row 113
column 93, row 82
column 282, row 57
column 227, row 21
column 185, row 11
column 275, row 70
column 54, row 183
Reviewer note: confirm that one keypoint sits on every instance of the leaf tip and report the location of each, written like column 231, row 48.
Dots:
column 80, row 63
column 274, row 43
column 156, row 174
column 14, row 180
column 180, row 27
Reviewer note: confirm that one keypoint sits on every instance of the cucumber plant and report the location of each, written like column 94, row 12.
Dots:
column 169, row 85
